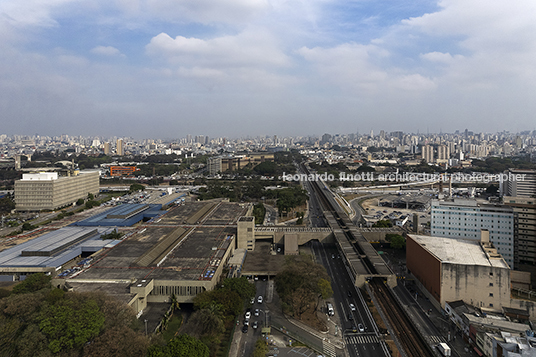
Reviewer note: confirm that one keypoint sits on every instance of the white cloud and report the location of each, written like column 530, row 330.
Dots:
column 106, row 51
column 200, row 11
column 30, row 12
column 249, row 48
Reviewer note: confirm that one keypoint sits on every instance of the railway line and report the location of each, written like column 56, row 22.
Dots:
column 408, row 338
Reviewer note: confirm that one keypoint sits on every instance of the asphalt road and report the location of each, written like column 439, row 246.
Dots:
column 361, row 343
column 250, row 337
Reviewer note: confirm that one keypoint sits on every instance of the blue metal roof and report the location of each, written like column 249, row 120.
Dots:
column 124, row 215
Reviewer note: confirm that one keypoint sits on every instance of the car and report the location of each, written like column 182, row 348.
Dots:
column 259, row 299
column 252, row 300
column 349, row 293
column 332, row 256
column 350, row 317
column 256, row 313
column 361, row 328
column 353, row 328
column 255, row 324
column 245, row 328
column 247, row 315
column 246, row 322
column 352, row 307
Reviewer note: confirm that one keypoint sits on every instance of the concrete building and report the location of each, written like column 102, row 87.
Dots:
column 465, row 270
column 464, row 219
column 119, row 147
column 48, row 191
column 428, row 153
column 106, row 148
column 443, row 153
column 519, row 183
column 51, row 252
column 524, row 229
column 237, row 162
column 182, row 252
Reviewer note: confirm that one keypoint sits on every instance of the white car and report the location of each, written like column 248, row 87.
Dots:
column 247, row 315
column 259, row 299
column 352, row 307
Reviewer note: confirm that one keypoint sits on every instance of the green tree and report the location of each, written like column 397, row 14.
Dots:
column 6, row 204
column 397, row 241
column 301, row 283
column 90, row 196
column 259, row 211
column 241, row 286
column 80, row 202
column 260, row 348
column 68, row 325
column 384, row 223
column 32, row 283
column 136, row 187
column 180, row 346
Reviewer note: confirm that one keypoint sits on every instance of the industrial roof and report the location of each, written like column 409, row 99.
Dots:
column 457, row 251
column 124, row 215
column 53, row 249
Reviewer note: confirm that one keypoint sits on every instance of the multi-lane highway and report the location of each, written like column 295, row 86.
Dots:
column 363, row 343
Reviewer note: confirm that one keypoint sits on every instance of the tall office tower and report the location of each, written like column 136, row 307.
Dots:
column 119, row 149
column 106, row 148
column 428, row 153
column 443, row 152
column 464, row 219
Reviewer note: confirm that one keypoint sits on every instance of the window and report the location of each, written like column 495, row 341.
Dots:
column 491, row 294
column 490, row 284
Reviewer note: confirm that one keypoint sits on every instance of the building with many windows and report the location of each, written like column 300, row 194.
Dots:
column 49, row 191
column 519, row 183
column 464, row 219
column 524, row 229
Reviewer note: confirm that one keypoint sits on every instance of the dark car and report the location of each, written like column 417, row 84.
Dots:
column 349, row 293
column 245, row 328
column 350, row 317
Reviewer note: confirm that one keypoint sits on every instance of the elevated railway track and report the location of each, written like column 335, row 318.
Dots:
column 368, row 268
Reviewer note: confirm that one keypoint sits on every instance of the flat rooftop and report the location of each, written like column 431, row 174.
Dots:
column 53, row 249
column 171, row 247
column 463, row 252
column 124, row 215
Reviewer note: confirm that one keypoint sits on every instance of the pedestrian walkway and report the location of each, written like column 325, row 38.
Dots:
column 358, row 339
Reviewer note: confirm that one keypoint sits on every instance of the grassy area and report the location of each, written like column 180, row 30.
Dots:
column 173, row 326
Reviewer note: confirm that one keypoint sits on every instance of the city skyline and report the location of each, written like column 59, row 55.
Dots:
column 235, row 69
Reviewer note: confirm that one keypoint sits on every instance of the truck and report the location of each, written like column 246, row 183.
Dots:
column 444, row 349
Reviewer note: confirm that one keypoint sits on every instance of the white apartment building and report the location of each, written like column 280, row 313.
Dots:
column 464, row 219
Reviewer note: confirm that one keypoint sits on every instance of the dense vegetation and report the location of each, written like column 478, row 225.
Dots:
column 259, row 211
column 37, row 319
column 301, row 284
column 216, row 310
column 397, row 241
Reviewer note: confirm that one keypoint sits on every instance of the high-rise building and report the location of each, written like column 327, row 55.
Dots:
column 464, row 219
column 119, row 149
column 428, row 153
column 106, row 148
column 524, row 229
column 443, row 152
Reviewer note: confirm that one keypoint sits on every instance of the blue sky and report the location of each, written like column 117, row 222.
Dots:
column 167, row 68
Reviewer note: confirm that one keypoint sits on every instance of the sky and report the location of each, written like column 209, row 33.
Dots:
column 234, row 68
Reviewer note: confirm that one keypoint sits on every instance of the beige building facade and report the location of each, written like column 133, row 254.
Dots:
column 48, row 191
